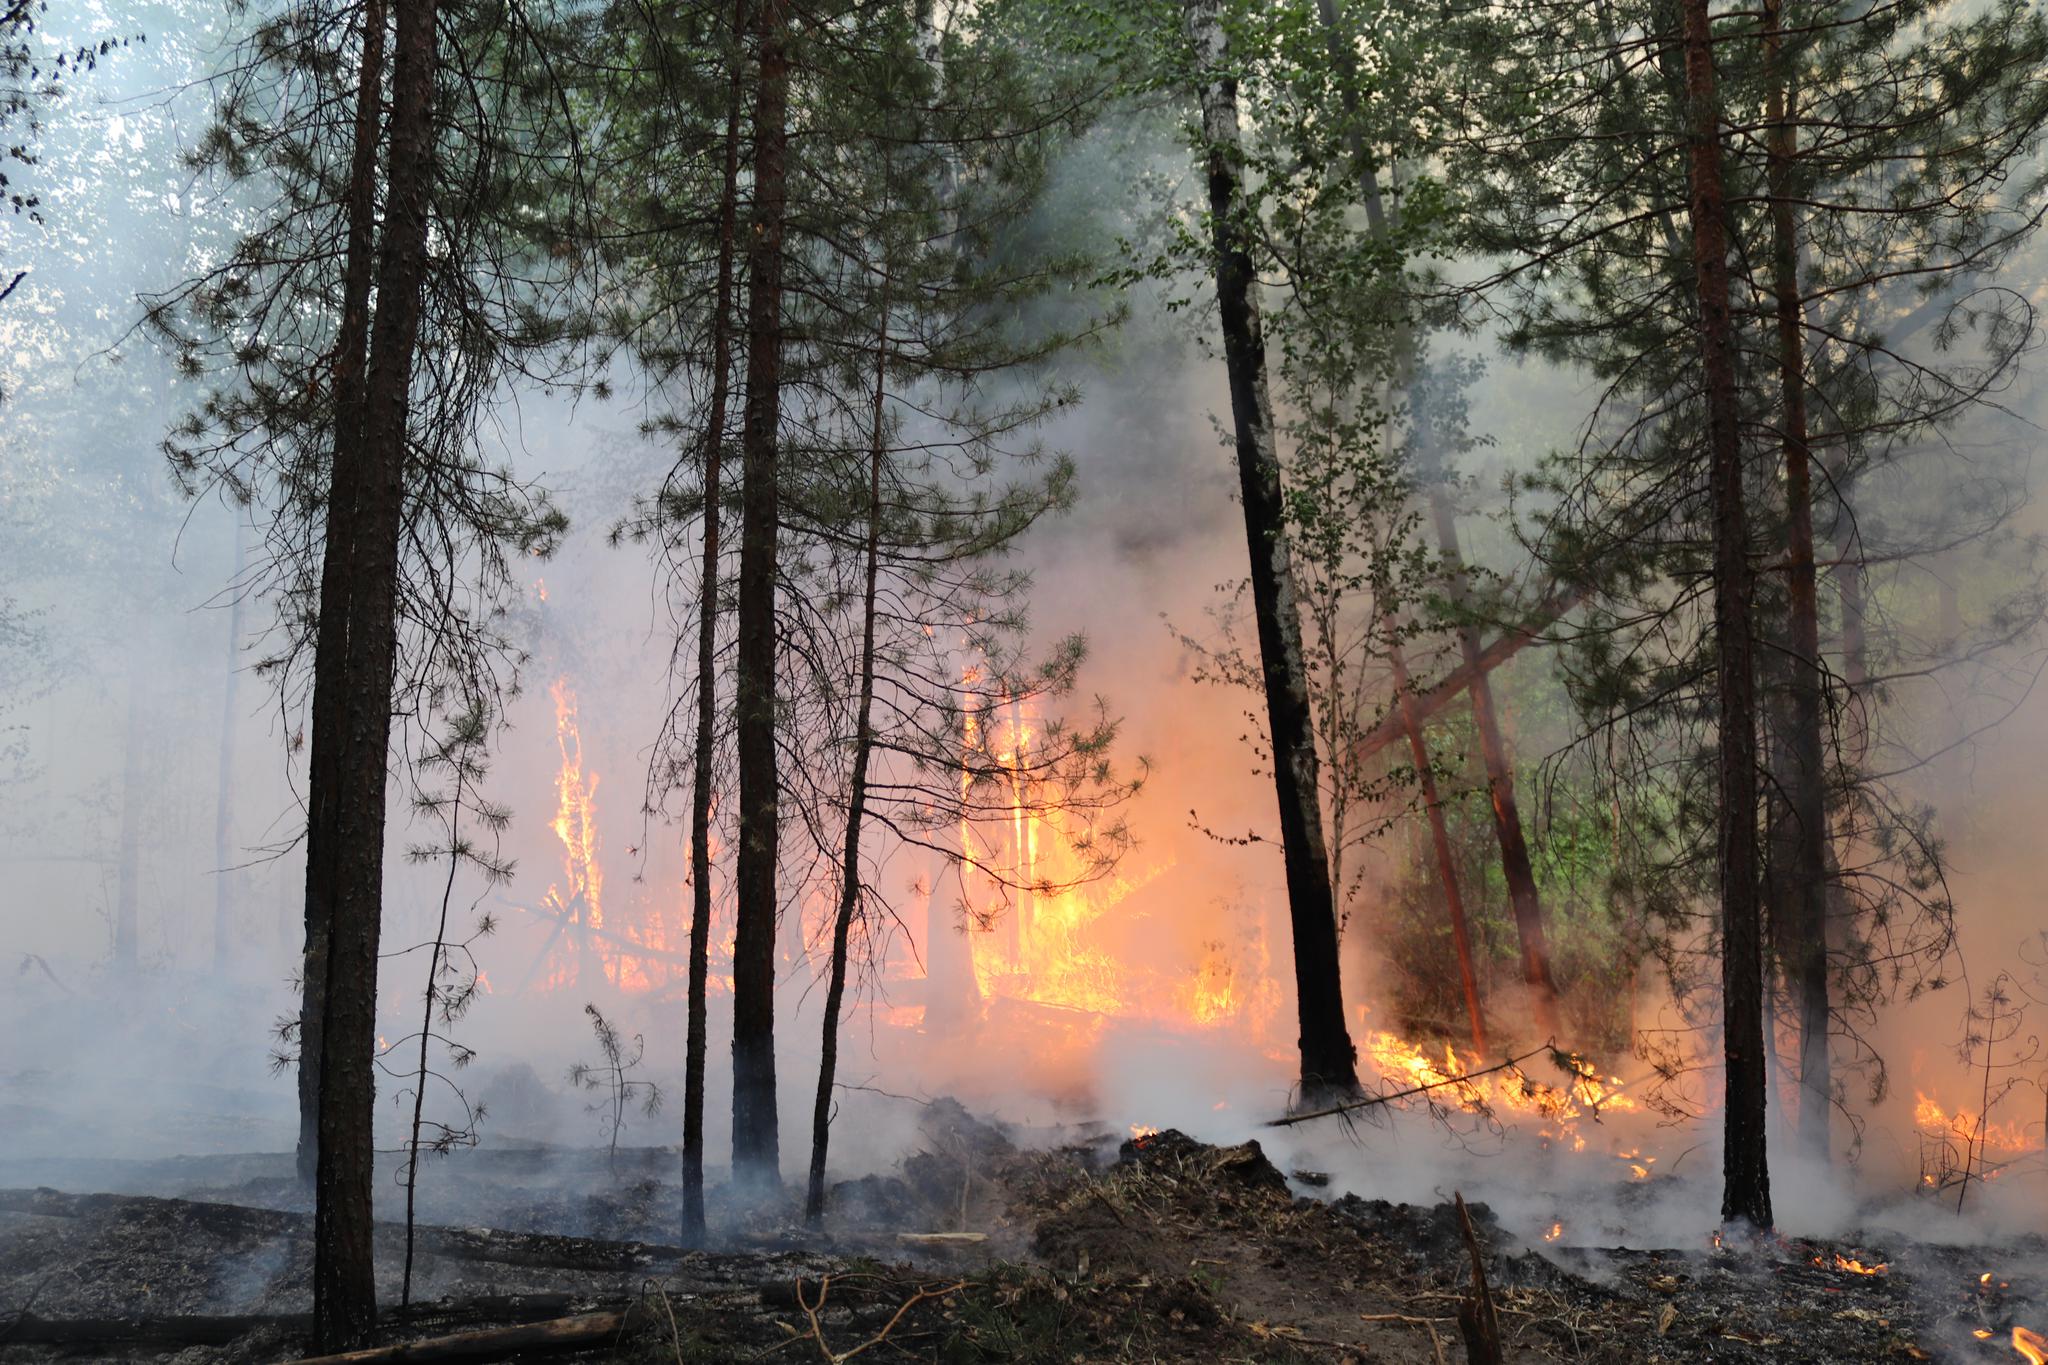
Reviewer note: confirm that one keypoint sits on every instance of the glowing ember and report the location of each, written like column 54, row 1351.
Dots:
column 1556, row 1231
column 1856, row 1267
column 2031, row 1345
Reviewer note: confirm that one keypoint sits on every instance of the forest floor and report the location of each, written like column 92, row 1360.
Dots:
column 1160, row 1249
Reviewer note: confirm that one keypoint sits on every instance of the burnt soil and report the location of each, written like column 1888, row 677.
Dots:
column 1160, row 1249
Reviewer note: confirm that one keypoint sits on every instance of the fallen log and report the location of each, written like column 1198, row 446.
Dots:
column 492, row 1245
column 497, row 1343
column 179, row 1331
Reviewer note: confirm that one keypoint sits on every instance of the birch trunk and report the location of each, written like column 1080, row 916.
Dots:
column 1329, row 1063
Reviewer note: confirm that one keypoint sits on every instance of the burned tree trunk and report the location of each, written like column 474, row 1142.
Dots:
column 857, row 788
column 1805, row 878
column 1746, row 1187
column 1440, row 837
column 330, row 641
column 707, row 682
column 1516, row 866
column 1329, row 1063
column 755, row 1154
column 344, row 1289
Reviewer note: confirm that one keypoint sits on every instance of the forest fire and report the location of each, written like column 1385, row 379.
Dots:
column 1174, row 699
column 2007, row 1138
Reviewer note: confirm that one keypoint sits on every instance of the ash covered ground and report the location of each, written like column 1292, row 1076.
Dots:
column 976, row 1247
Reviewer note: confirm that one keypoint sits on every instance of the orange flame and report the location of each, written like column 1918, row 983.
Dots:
column 1853, row 1266
column 1970, row 1128
column 578, row 899
column 2031, row 1345
column 1455, row 1080
column 1556, row 1231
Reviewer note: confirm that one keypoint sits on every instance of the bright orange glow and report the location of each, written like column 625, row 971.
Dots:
column 1967, row 1127
column 1556, row 1231
column 2031, row 1346
column 577, row 901
column 1557, row 1107
column 1027, row 884
column 1141, row 1131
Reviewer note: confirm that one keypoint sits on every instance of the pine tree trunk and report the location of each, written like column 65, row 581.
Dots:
column 1329, row 1063
column 1746, row 1188
column 1440, row 837
column 755, row 1144
column 707, row 680
column 330, row 641
column 344, row 1289
column 1517, row 868
column 857, row 792
column 1806, row 778
column 224, row 784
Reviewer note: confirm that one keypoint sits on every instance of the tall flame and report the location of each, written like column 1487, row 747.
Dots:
column 2031, row 1345
column 575, row 822
column 578, row 899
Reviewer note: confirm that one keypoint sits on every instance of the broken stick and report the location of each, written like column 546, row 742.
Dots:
column 1476, row 1316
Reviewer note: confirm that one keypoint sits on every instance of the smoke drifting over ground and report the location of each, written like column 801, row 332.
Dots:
column 1157, row 998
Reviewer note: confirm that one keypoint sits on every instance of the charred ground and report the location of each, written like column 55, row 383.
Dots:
column 1159, row 1248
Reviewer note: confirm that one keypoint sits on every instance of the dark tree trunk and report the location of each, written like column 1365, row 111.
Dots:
column 1516, row 866
column 344, row 1290
column 330, row 641
column 1746, row 1188
column 1806, row 876
column 755, row 1144
column 1329, row 1063
column 707, row 680
column 857, row 792
column 224, row 787
column 1440, row 837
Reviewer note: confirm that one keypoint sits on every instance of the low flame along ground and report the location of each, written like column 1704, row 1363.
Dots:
column 1034, row 936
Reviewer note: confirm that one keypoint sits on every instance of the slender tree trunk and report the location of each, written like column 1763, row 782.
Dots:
column 344, row 1289
column 330, row 641
column 707, row 678
column 1329, row 1063
column 433, row 992
column 1517, row 868
column 1746, row 1189
column 1446, row 860
column 857, row 791
column 755, row 1144
column 224, row 786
